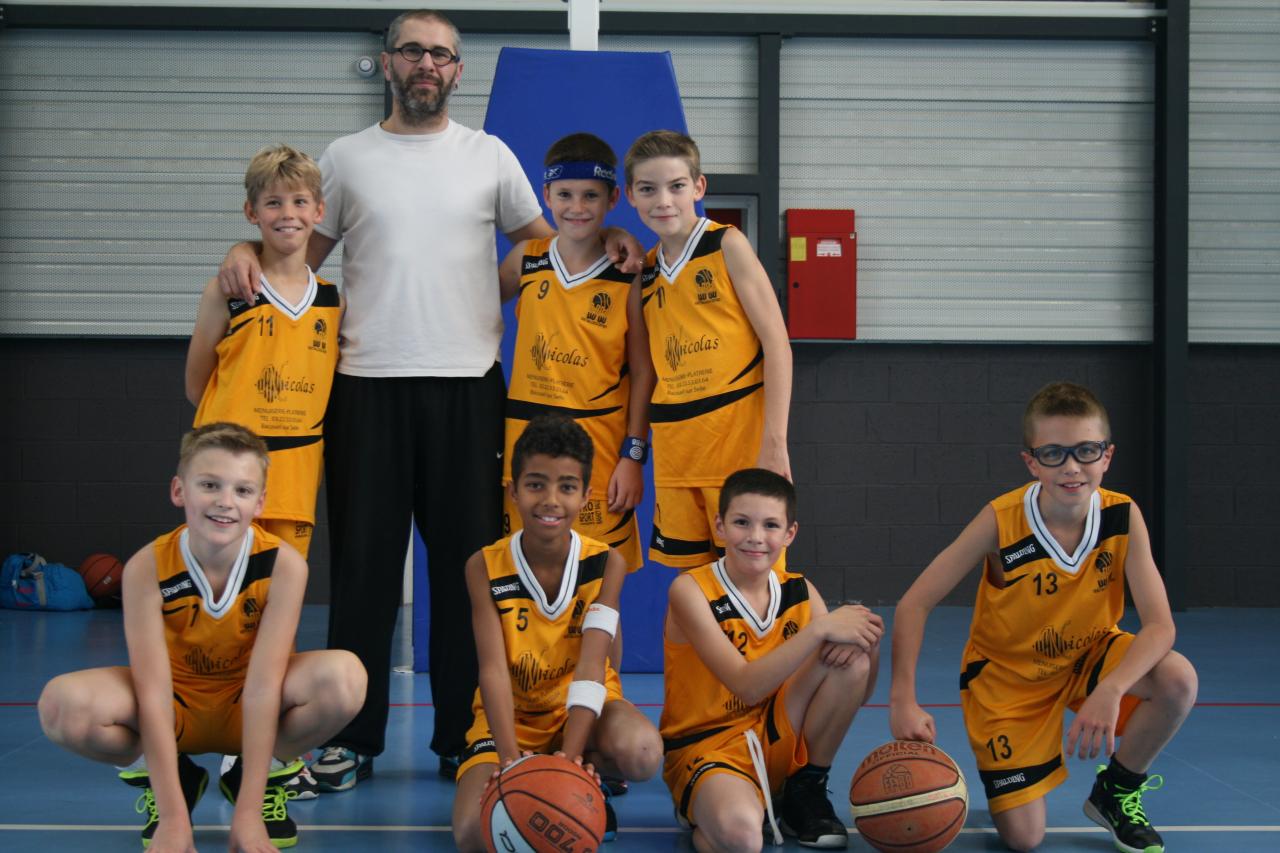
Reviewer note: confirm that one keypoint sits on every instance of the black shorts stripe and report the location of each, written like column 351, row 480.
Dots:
column 687, row 794
column 622, row 523
column 771, row 721
column 998, row 783
column 673, row 744
column 1096, row 672
column 673, row 547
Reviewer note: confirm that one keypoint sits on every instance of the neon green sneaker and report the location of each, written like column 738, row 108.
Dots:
column 281, row 829
column 1119, row 810
column 193, row 778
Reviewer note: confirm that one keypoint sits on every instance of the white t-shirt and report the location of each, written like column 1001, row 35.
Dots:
column 417, row 216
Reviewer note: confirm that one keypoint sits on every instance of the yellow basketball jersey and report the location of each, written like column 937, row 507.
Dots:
column 542, row 636
column 208, row 640
column 708, row 405
column 275, row 370
column 696, row 703
column 1041, row 608
column 571, row 353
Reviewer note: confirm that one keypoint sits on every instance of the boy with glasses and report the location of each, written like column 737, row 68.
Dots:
column 1056, row 554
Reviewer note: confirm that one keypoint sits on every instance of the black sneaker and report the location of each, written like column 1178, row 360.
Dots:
column 806, row 814
column 615, row 785
column 1119, row 810
column 281, row 829
column 191, row 776
column 610, row 816
column 339, row 768
column 449, row 765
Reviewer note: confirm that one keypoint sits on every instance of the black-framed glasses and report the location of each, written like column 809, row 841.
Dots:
column 1055, row 455
column 440, row 56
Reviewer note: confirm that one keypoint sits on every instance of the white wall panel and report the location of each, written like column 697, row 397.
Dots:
column 1002, row 189
column 1234, row 204
column 122, row 162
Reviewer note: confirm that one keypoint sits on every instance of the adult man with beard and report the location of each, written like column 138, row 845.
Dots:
column 414, row 427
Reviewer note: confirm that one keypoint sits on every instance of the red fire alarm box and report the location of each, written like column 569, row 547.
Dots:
column 822, row 274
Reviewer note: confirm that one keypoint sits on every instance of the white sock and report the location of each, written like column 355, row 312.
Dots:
column 139, row 763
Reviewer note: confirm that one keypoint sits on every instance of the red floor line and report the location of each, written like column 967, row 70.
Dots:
column 870, row 705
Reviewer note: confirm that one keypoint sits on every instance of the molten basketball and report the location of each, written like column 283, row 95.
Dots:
column 543, row 804
column 101, row 573
column 908, row 797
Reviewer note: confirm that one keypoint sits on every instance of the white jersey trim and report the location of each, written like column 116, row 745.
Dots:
column 670, row 273
column 568, row 579
column 216, row 609
column 293, row 311
column 569, row 282
column 1069, row 563
column 760, row 625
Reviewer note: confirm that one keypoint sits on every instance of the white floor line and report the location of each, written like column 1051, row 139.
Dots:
column 628, row 830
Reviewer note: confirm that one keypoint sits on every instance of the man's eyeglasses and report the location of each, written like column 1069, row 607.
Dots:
column 1055, row 455
column 440, row 56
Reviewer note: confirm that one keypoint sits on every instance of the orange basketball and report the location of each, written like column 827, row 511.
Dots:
column 908, row 797
column 101, row 573
column 543, row 804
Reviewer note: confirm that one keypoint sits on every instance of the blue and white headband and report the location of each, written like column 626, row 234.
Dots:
column 590, row 170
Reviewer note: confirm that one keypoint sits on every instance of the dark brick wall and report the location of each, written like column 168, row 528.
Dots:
column 90, row 440
column 1234, row 476
column 894, row 449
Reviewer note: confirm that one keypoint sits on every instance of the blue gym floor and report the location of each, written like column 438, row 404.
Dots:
column 1222, row 771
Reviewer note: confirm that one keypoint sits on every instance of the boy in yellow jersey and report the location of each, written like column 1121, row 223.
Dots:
column 761, row 681
column 268, row 364
column 544, row 611
column 210, row 613
column 1056, row 554
column 719, row 349
column 580, row 348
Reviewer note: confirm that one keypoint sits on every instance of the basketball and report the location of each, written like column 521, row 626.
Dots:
column 101, row 573
column 542, row 804
column 908, row 796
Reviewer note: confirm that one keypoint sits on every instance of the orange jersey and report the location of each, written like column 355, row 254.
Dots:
column 708, row 404
column 571, row 353
column 210, row 641
column 696, row 703
column 275, row 370
column 1041, row 608
column 543, row 637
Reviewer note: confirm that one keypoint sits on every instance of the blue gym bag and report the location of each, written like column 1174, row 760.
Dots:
column 27, row 582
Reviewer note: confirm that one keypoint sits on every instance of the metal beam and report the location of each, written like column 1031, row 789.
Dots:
column 619, row 23
column 1170, row 411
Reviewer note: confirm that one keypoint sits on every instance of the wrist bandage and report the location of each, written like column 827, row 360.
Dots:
column 601, row 617
column 586, row 694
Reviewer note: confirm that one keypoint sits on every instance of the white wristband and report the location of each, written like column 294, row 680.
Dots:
column 601, row 617
column 586, row 694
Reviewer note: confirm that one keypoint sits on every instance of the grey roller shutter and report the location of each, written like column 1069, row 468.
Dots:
column 1234, row 204
column 122, row 161
column 1003, row 189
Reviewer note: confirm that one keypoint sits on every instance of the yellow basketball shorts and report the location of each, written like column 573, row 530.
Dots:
column 207, row 715
column 296, row 533
column 535, row 732
column 1015, row 726
column 687, row 762
column 684, row 527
